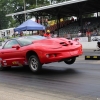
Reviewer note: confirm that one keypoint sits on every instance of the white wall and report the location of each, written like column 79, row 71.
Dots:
column 86, row 44
column 89, row 45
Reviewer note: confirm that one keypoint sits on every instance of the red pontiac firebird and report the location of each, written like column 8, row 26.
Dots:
column 35, row 51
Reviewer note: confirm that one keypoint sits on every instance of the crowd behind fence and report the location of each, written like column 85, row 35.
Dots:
column 68, row 29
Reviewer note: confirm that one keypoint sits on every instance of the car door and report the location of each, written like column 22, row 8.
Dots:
column 11, row 56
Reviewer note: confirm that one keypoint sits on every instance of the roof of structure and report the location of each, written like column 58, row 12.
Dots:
column 68, row 8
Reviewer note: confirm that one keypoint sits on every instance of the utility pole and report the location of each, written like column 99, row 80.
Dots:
column 24, row 8
column 36, row 3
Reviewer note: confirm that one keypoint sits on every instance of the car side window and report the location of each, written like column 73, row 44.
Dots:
column 9, row 44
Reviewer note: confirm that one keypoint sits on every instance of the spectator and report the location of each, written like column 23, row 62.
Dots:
column 72, row 19
column 55, row 35
column 68, row 36
column 88, row 33
column 21, row 34
column 65, row 35
column 95, row 33
column 88, row 23
column 47, row 34
column 79, row 34
column 42, row 33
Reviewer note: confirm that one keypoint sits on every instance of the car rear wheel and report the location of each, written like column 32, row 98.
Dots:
column 4, row 68
column 70, row 61
column 1, row 67
column 35, row 64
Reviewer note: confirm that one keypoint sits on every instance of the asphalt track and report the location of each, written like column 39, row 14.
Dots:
column 57, row 81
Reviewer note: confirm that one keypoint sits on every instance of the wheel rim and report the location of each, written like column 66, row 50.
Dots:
column 34, row 64
column 69, row 60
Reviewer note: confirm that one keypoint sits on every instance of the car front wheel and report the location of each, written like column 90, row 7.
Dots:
column 70, row 61
column 35, row 64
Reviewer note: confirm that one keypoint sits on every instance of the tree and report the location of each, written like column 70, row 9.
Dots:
column 4, row 21
column 13, row 6
column 6, row 7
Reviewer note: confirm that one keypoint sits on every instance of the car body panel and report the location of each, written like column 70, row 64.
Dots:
column 11, row 55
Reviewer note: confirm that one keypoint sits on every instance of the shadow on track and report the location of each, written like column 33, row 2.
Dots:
column 67, row 71
column 44, row 72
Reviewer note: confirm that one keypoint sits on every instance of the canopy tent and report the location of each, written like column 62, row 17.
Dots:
column 29, row 25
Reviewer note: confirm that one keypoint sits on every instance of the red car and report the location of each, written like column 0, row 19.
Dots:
column 35, row 51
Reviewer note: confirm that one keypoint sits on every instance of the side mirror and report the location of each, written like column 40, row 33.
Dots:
column 16, row 46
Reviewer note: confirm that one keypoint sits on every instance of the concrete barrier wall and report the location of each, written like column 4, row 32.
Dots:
column 89, row 45
column 86, row 44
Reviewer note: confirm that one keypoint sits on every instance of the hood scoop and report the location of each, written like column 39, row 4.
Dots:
column 70, row 43
column 63, row 43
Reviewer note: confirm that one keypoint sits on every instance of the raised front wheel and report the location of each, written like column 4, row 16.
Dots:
column 70, row 61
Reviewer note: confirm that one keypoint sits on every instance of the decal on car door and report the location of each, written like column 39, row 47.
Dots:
column 17, row 63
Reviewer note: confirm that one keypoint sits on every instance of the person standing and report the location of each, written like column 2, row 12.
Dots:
column 42, row 33
column 79, row 34
column 88, row 34
column 47, row 34
column 68, row 36
column 21, row 34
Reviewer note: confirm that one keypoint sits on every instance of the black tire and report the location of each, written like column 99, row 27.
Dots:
column 7, row 68
column 70, row 61
column 4, row 68
column 35, row 64
column 1, row 67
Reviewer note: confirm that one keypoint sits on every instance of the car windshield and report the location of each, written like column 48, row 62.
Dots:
column 29, row 39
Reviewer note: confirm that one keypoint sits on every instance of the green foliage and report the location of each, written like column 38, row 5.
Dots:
column 14, row 6
column 4, row 21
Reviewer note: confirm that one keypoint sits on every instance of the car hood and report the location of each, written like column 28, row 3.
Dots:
column 53, row 43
